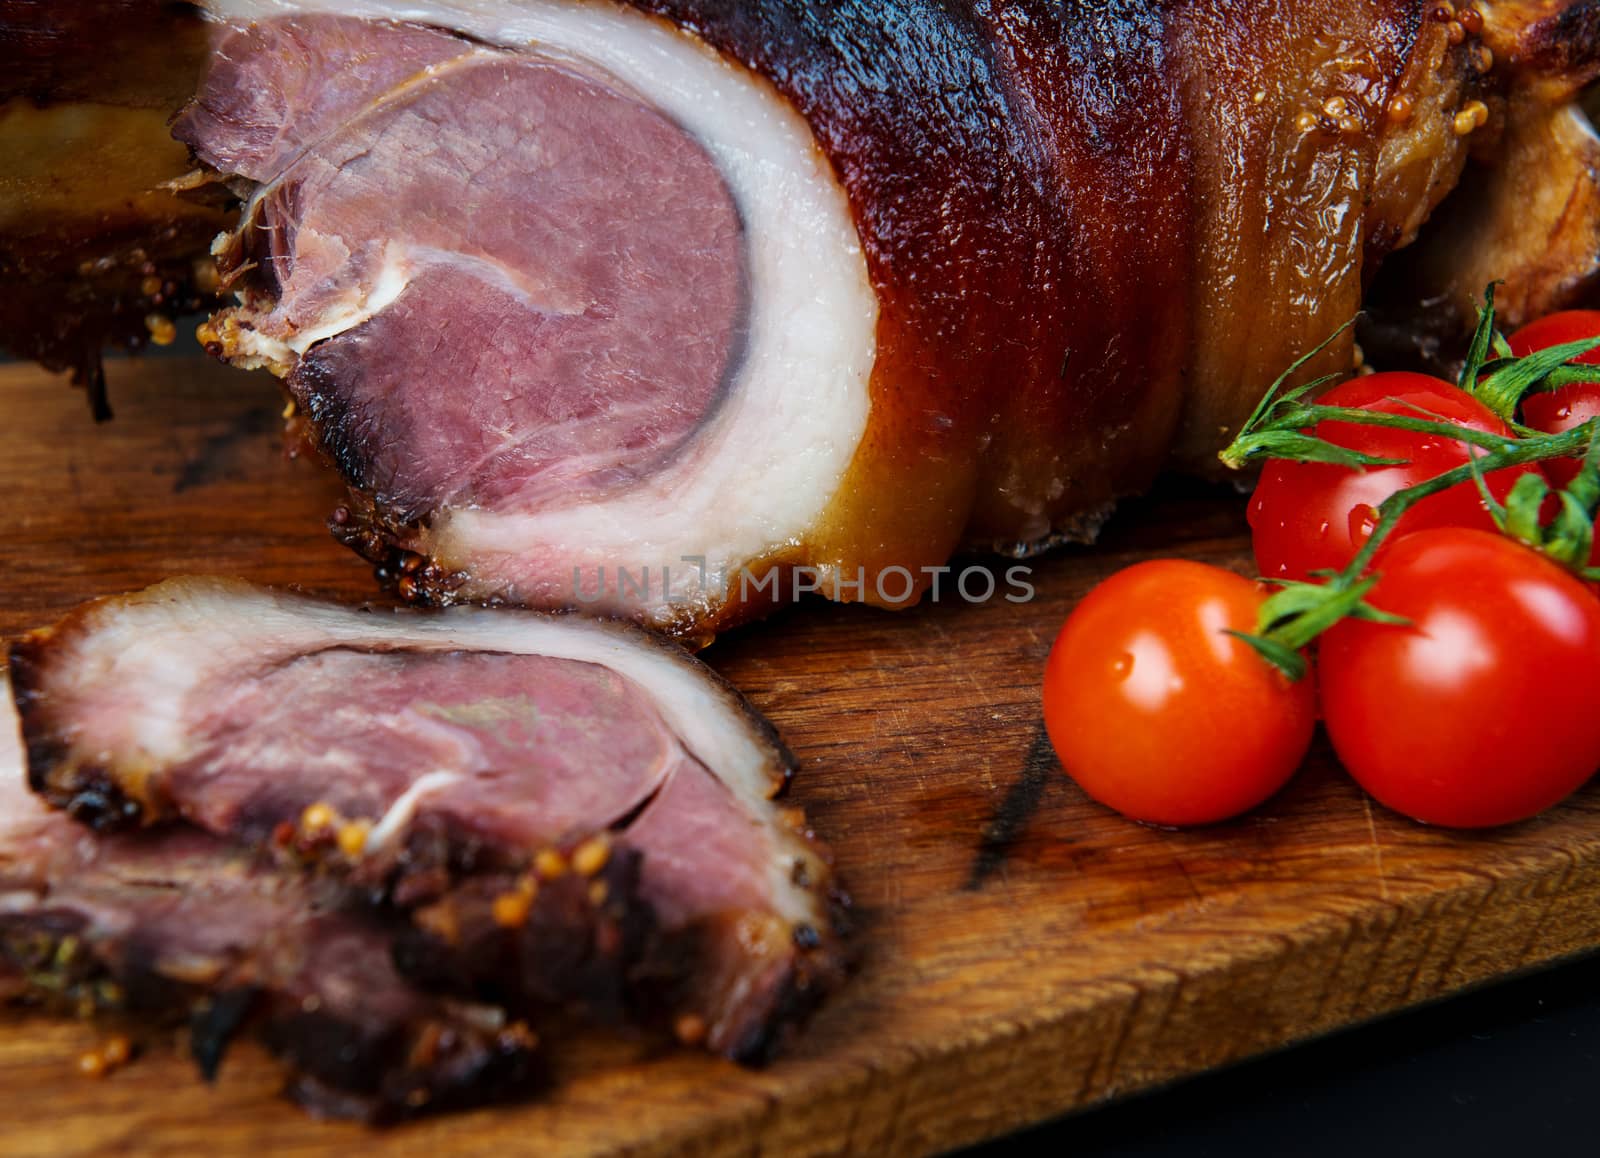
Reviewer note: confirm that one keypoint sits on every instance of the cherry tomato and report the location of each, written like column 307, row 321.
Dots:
column 1554, row 411
column 1486, row 709
column 1155, row 711
column 1309, row 516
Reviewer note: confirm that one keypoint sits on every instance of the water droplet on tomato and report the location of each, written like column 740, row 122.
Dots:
column 1122, row 666
column 1322, row 531
column 1363, row 521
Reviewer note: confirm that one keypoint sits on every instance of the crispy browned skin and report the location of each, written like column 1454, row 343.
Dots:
column 1528, row 211
column 1013, row 180
column 1097, row 232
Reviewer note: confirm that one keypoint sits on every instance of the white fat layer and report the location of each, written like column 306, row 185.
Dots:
column 400, row 813
column 10, row 740
column 385, row 289
column 765, row 467
column 126, row 685
column 18, row 806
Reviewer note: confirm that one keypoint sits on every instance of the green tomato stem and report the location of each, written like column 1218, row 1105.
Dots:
column 1313, row 413
column 1248, row 445
column 1567, row 376
column 1503, row 390
column 1585, row 485
column 1295, row 617
column 1393, row 508
column 1290, row 620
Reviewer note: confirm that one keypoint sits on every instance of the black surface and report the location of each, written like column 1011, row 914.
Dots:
column 1512, row 1071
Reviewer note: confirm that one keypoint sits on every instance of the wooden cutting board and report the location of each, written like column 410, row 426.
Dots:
column 1025, row 951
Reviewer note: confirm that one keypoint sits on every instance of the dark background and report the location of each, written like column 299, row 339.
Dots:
column 1512, row 1070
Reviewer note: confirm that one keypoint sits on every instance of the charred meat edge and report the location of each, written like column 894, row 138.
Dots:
column 672, row 973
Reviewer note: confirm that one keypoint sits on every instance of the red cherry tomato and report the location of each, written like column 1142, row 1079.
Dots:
column 1554, row 411
column 1155, row 711
column 1310, row 516
column 1486, row 710
column 1557, row 330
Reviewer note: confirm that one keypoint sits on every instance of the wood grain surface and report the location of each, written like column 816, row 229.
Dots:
column 1025, row 952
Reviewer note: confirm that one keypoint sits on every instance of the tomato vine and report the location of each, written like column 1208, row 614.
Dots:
column 1281, row 428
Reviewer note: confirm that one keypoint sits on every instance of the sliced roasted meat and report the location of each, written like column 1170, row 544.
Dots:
column 485, row 770
column 1069, row 289
column 509, row 220
column 642, row 287
column 648, row 306
column 178, row 925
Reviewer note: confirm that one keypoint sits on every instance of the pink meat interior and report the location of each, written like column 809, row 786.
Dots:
column 537, row 750
column 569, row 260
